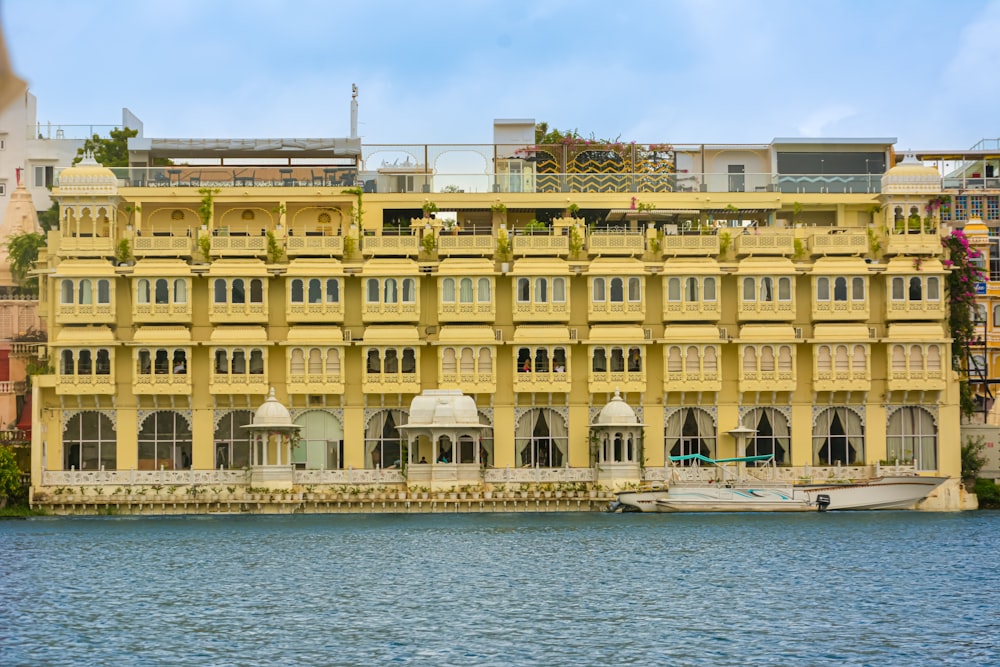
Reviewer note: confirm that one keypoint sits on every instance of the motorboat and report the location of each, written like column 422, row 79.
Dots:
column 733, row 490
column 642, row 499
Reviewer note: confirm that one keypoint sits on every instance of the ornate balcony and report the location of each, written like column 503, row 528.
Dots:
column 304, row 382
column 163, row 384
column 766, row 242
column 469, row 382
column 239, row 246
column 162, row 246
column 841, row 380
column 466, row 312
column 237, row 313
column 540, row 244
column 549, row 311
column 315, row 246
column 914, row 244
column 706, row 245
column 839, row 242
column 390, row 246
column 86, row 313
column 543, row 382
column 390, row 383
column 391, row 312
column 609, row 381
column 766, row 311
column 616, row 243
column 840, row 310
column 617, row 311
column 465, row 245
column 175, row 313
column 915, row 379
column 691, row 311
column 759, row 380
column 914, row 310
column 221, row 383
column 684, row 380
column 86, row 246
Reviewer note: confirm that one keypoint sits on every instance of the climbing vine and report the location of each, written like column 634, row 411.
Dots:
column 961, row 284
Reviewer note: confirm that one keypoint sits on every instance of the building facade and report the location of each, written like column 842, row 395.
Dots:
column 709, row 287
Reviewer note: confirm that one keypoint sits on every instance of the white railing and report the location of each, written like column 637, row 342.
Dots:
column 349, row 476
column 143, row 477
column 537, row 475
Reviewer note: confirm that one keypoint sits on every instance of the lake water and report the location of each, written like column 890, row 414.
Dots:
column 871, row 588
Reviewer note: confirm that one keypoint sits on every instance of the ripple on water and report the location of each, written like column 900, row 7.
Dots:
column 862, row 589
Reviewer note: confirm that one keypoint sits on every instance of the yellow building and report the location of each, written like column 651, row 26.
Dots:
column 770, row 286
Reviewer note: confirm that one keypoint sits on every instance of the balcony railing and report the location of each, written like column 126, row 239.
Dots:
column 914, row 310
column 754, row 380
column 390, row 246
column 540, row 244
column 476, row 383
column 301, row 246
column 162, row 246
column 683, row 380
column 609, row 381
column 915, row 379
column 542, row 382
column 466, row 312
column 840, row 310
column 691, row 310
column 766, row 242
column 162, row 383
column 465, row 244
column 179, row 313
column 85, row 384
column 239, row 246
column 914, row 244
column 841, row 380
column 540, row 172
column 841, row 242
column 86, row 246
column 390, row 383
column 616, row 243
column 699, row 245
column 315, row 383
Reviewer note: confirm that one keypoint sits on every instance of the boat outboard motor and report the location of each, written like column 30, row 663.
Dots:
column 822, row 502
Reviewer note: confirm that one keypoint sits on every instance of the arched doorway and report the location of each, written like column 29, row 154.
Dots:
column 165, row 441
column 90, row 442
column 773, row 434
column 232, row 441
column 838, row 437
column 690, row 431
column 383, row 444
column 541, row 439
column 321, row 443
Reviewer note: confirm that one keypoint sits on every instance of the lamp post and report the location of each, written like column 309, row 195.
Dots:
column 740, row 434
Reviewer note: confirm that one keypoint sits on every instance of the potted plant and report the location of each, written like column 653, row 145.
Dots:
column 429, row 208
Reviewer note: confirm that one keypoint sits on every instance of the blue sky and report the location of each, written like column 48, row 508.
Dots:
column 713, row 71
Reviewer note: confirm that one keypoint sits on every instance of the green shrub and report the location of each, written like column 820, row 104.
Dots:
column 988, row 493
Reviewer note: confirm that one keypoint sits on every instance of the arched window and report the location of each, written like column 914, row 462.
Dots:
column 374, row 362
column 485, row 290
column 542, row 360
column 448, row 290
column 410, row 290
column 86, row 292
column 485, row 360
column 162, row 295
column 90, row 442
column 219, row 291
column 85, row 362
column 767, row 358
column 66, row 362
column 689, row 431
column 785, row 358
column 559, row 290
column 298, row 292
column 448, row 362
column 164, row 442
column 391, row 361
column 239, row 291
column 916, row 358
column 297, row 362
column 256, row 361
column 617, row 360
column 221, row 362
column 390, row 294
column 916, row 290
column 635, row 360
column 315, row 291
column 541, row 290
column 523, row 290
column 256, row 291
column 996, row 316
column 104, row 291
column 838, row 438
column 767, row 289
column 841, row 361
column 749, row 289
column 232, row 441
column 239, row 364
column 383, row 443
column 600, row 361
column 898, row 359
column 840, row 289
column 710, row 362
column 691, row 290
column 617, row 290
column 371, row 290
column 823, row 360
column 822, row 288
column 911, row 435
column 674, row 289
column 859, row 362
column 933, row 288
column 749, row 359
column 674, row 363
column 692, row 362
column 540, row 439
column 321, row 441
column 180, row 291
column 333, row 362
column 332, row 290
column 465, row 290
column 468, row 362
column 898, row 289
column 858, row 289
column 933, row 358
column 772, row 434
column 708, row 294
column 634, row 290
column 784, row 288
column 409, row 365
column 315, row 361
column 141, row 291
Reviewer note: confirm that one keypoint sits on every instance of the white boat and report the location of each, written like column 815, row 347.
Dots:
column 638, row 500
column 735, row 492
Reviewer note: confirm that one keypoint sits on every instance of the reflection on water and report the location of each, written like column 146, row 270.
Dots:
column 864, row 588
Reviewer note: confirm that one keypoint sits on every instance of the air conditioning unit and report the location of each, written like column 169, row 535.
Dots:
column 430, row 331
column 347, row 335
column 572, row 334
column 723, row 333
column 498, row 335
column 872, row 333
column 647, row 334
column 798, row 333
